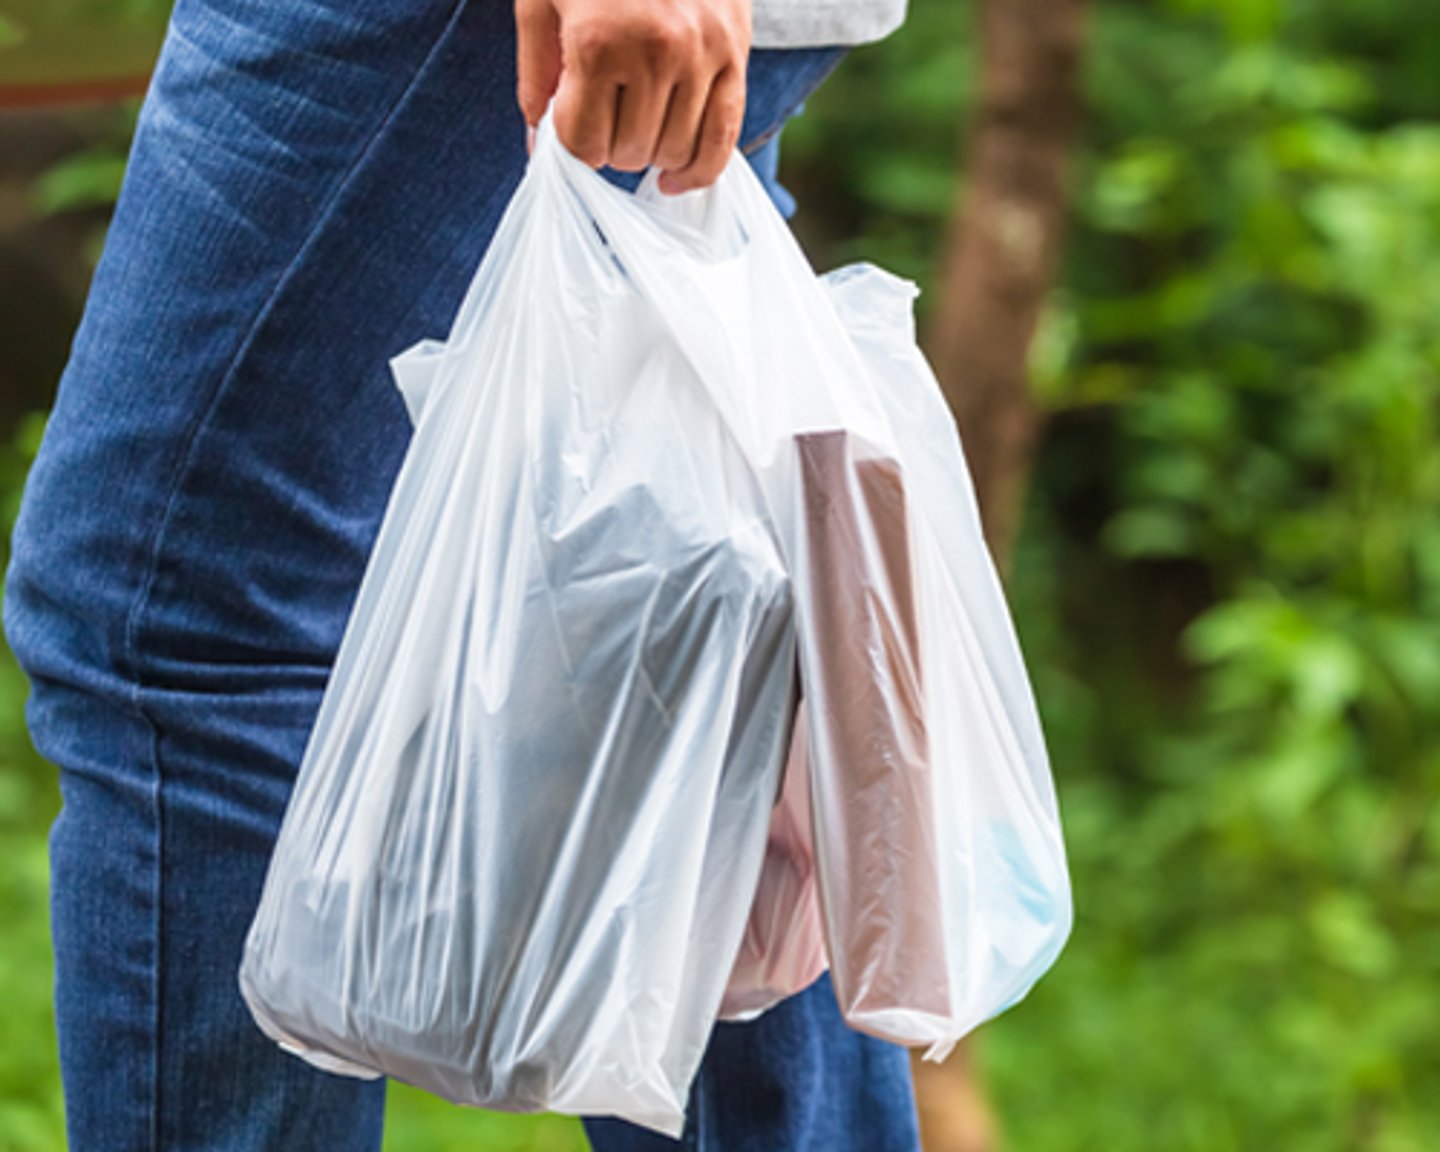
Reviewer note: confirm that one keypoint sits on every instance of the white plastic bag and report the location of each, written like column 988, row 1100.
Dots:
column 528, row 824
column 934, row 844
column 522, row 855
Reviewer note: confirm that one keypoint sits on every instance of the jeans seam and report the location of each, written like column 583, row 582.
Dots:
column 183, row 468
column 157, row 1008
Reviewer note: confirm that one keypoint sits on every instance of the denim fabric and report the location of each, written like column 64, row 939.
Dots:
column 311, row 187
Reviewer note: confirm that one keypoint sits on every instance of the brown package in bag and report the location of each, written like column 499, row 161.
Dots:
column 872, row 788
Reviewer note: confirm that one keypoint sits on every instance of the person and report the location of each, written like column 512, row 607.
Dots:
column 310, row 190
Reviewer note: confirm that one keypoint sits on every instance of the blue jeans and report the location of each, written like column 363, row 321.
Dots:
column 311, row 187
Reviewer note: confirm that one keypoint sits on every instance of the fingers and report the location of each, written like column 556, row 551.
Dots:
column 623, row 59
column 585, row 108
column 639, row 83
column 537, row 35
column 638, row 122
column 716, row 140
column 676, row 147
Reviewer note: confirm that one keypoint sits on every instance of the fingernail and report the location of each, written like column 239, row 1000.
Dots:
column 530, row 139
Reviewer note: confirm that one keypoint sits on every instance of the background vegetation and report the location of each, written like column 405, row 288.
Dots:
column 1227, row 582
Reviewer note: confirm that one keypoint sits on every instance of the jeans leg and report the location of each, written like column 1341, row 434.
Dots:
column 156, row 864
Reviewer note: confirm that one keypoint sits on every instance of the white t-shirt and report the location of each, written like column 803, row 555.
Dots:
column 813, row 23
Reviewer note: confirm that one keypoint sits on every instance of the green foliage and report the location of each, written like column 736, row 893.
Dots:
column 874, row 159
column 30, row 1113
column 1257, row 268
column 417, row 1122
column 45, row 42
column 85, row 180
column 31, row 1118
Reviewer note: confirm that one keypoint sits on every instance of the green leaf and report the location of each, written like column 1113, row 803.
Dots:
column 89, row 180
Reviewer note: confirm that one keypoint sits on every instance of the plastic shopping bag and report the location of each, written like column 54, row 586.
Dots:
column 1005, row 886
column 544, row 831
column 935, row 844
column 528, row 824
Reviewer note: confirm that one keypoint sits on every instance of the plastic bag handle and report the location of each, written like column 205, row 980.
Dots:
column 707, row 224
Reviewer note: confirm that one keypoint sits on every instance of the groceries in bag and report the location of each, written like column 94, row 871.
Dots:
column 532, row 832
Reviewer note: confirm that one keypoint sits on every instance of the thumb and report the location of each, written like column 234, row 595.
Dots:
column 537, row 35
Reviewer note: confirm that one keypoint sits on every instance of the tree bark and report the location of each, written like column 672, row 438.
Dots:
column 1004, row 244
column 954, row 1114
column 1001, row 258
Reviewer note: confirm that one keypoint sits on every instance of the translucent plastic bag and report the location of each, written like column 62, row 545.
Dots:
column 528, row 824
column 520, row 865
column 934, row 844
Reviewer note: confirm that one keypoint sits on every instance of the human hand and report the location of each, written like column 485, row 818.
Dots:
column 638, row 82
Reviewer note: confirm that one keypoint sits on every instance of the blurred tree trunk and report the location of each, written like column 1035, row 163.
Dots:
column 1004, row 243
column 1000, row 263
